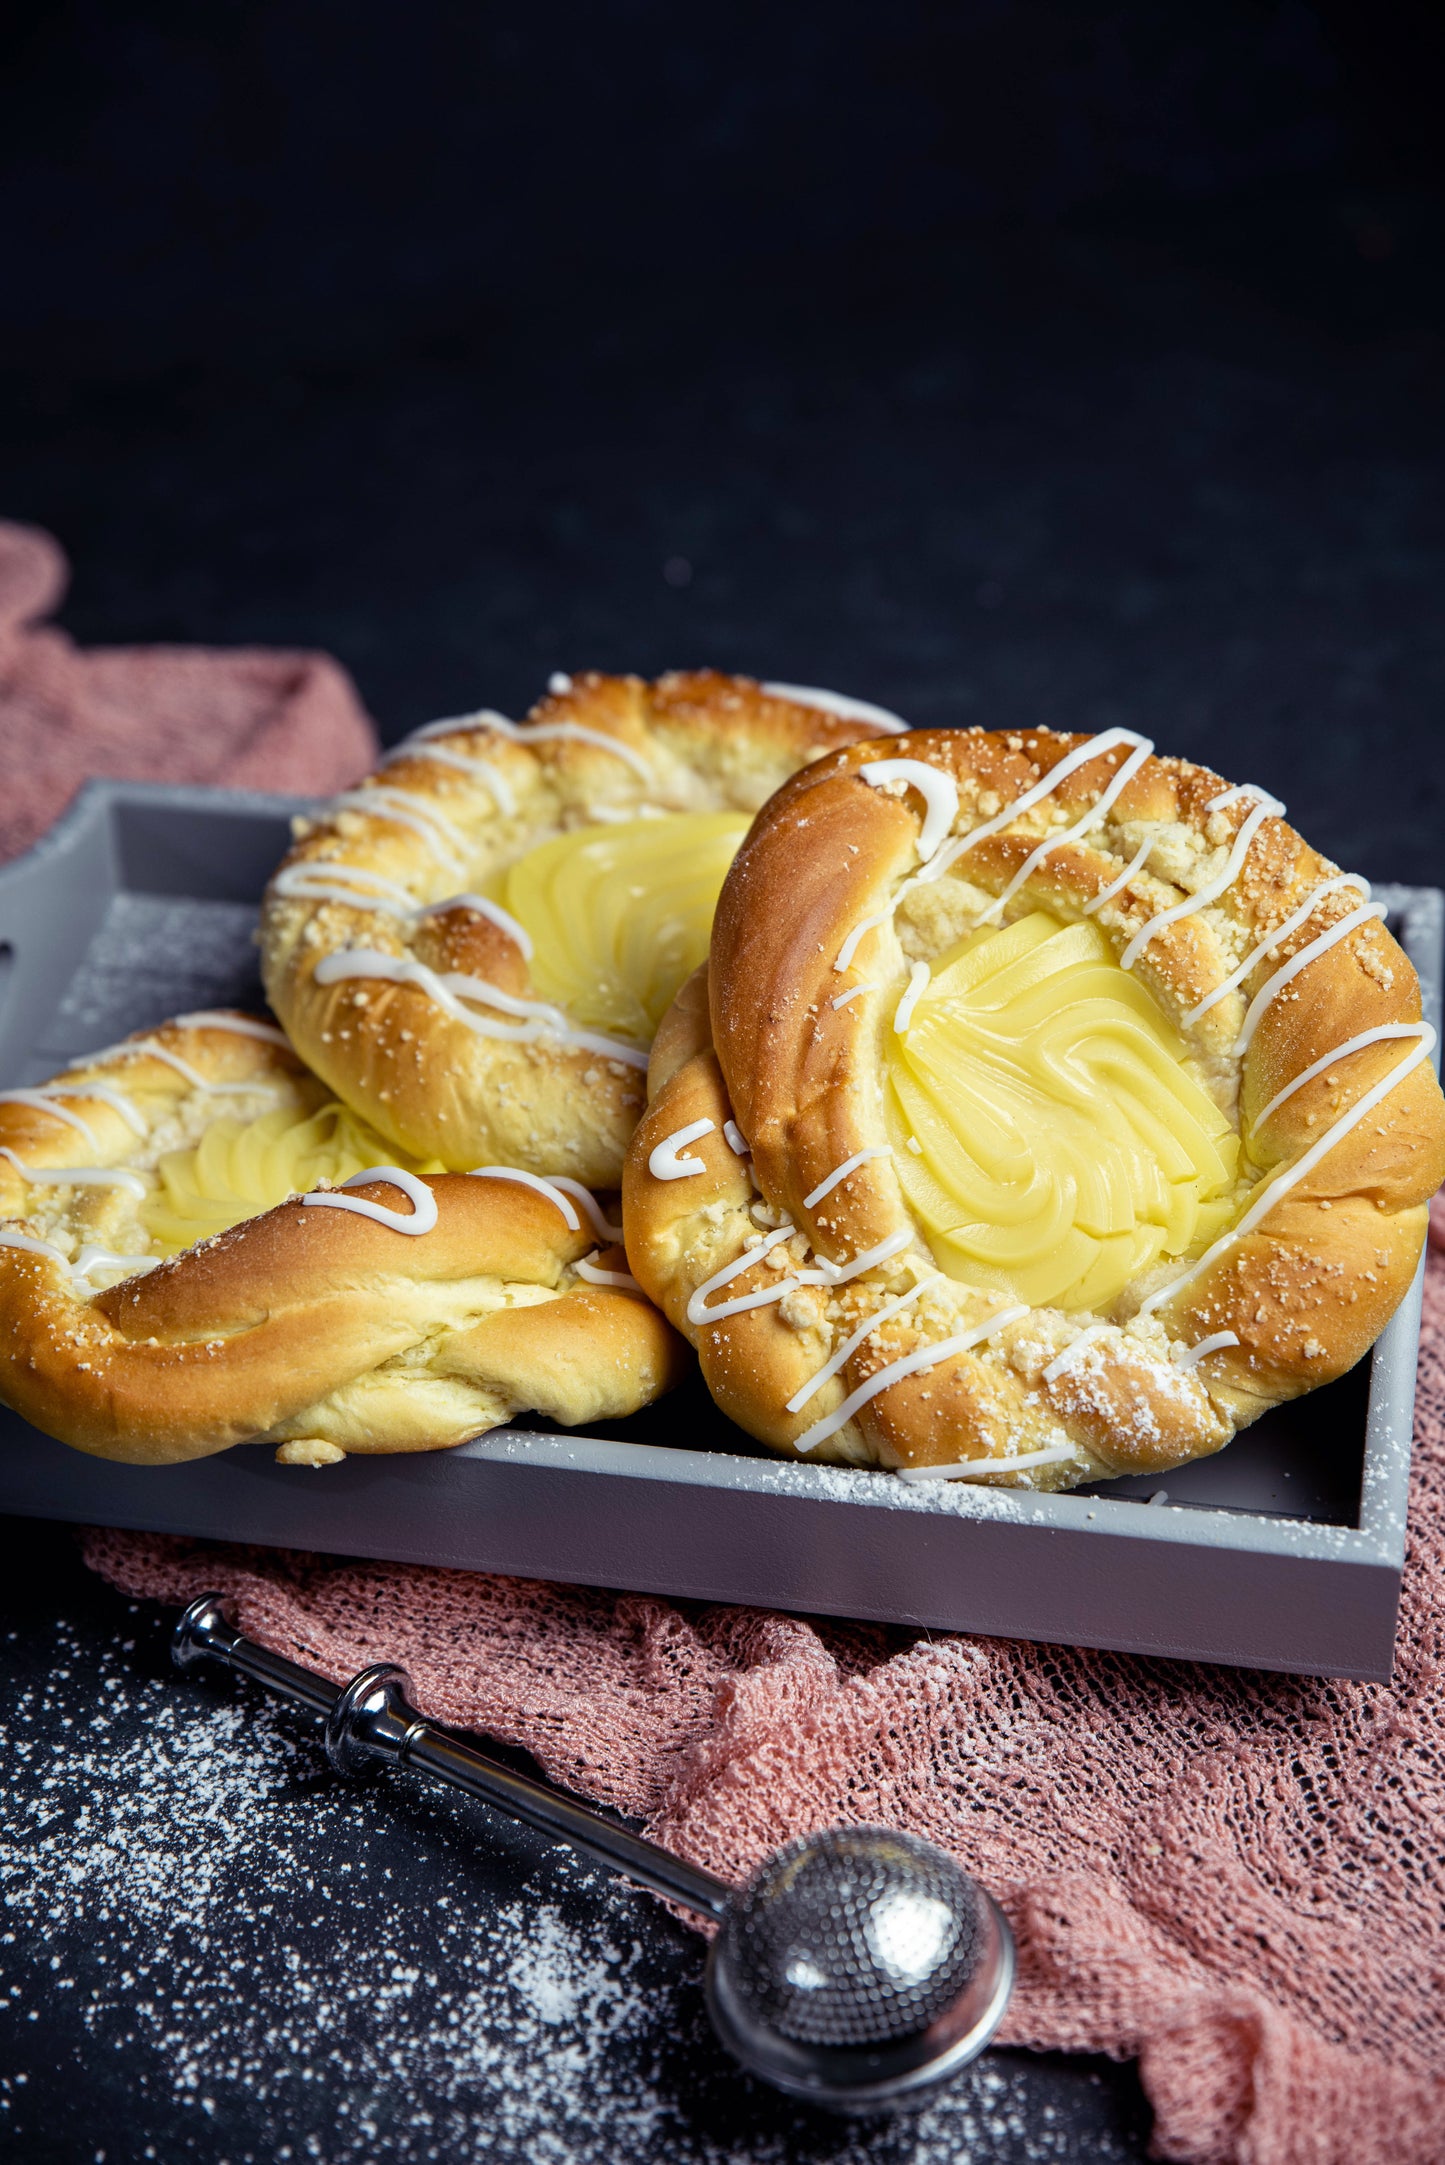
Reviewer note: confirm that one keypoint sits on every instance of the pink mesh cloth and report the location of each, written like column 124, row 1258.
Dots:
column 250, row 718
column 1235, row 1877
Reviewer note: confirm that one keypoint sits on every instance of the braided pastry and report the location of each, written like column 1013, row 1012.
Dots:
column 1088, row 1113
column 474, row 947
column 161, row 1299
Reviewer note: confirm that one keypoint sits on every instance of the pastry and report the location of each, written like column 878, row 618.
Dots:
column 161, row 1298
column 1048, row 1111
column 474, row 946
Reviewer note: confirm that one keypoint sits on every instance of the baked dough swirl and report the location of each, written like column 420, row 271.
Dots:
column 474, row 947
column 1050, row 1111
column 199, row 1247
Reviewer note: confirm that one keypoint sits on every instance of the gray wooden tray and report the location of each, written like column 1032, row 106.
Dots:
column 1284, row 1552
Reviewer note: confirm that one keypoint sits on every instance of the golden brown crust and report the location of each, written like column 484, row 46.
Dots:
column 321, row 1330
column 694, row 741
column 1305, row 1294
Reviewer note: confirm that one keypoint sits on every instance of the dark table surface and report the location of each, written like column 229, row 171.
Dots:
column 1136, row 427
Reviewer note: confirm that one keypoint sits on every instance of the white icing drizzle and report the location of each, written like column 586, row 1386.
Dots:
column 1376, row 1036
column 420, row 1219
column 735, row 1139
column 848, row 710
column 1094, row 748
column 854, row 1340
column 860, row 931
column 853, row 990
column 911, row 1364
column 1293, row 1174
column 698, row 1311
column 309, row 883
column 550, row 1188
column 882, row 1252
column 569, row 732
column 493, row 911
column 1049, row 1454
column 849, row 1165
column 664, row 1161
column 480, row 770
column 903, row 1013
column 75, row 1176
column 92, row 1258
column 183, row 1068
column 1097, row 811
column 590, row 1269
column 43, row 1100
column 1061, row 1361
column 1238, row 794
column 115, row 1099
column 541, row 1019
column 404, row 810
column 1281, row 933
column 598, row 1217
column 939, row 792
column 1107, row 894
column 210, row 1018
column 29, row 1245
column 1267, row 807
column 1272, row 985
column 1191, row 1356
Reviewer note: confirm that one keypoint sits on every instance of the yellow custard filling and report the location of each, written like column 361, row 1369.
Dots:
column 1064, row 1148
column 240, row 1168
column 620, row 915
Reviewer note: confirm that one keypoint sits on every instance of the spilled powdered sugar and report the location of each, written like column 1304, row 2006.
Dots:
column 249, row 1960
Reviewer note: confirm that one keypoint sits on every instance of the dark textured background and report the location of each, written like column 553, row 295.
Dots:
column 1003, row 363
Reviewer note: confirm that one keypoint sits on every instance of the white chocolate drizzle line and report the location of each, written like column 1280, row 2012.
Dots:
column 1293, row 1174
column 534, row 732
column 668, row 1159
column 1276, row 938
column 698, row 1312
column 552, row 1189
column 1061, row 1361
column 540, row 1020
column 75, row 1176
column 1095, row 748
column 1097, row 811
column 848, row 710
column 911, row 1364
column 480, row 770
column 1107, row 894
column 44, row 1101
column 853, row 990
column 939, row 792
column 590, row 1269
column 421, row 1218
column 1376, row 1036
column 963, row 1469
column 854, row 1340
column 849, row 1165
column 1267, row 807
column 735, row 1139
column 600, row 1221
column 183, row 1068
column 439, row 833
column 211, row 1018
column 1191, row 1356
column 1296, row 963
column 89, row 1259
column 493, row 911
column 903, row 1013
column 860, row 932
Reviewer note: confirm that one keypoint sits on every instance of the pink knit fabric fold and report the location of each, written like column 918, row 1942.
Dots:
column 1237, row 1878
column 250, row 718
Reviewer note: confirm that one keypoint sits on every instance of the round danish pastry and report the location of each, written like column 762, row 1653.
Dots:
column 199, row 1247
column 475, row 946
column 1053, row 1110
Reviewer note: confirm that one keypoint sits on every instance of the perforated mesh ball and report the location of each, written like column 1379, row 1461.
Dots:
column 856, row 1937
